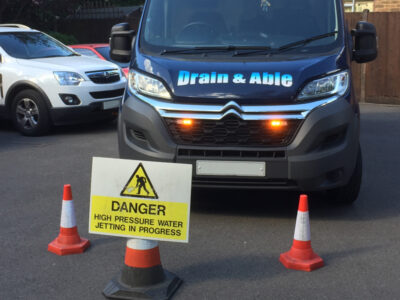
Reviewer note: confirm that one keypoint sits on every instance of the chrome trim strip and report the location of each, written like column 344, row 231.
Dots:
column 243, row 117
column 296, row 111
column 101, row 72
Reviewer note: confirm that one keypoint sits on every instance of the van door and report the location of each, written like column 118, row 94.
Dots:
column 2, row 96
column 1, row 88
column 2, row 100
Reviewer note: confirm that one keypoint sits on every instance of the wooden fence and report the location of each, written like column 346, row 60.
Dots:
column 379, row 81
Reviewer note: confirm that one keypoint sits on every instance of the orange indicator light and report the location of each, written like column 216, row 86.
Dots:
column 185, row 122
column 277, row 123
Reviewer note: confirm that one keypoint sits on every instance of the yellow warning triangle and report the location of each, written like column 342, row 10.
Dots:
column 139, row 185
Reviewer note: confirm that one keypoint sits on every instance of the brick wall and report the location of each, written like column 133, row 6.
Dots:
column 387, row 5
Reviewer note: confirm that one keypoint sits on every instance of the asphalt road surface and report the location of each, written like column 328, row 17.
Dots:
column 235, row 238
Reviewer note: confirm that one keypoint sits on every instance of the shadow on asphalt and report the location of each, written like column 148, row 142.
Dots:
column 93, row 127
column 254, row 267
column 240, row 202
column 11, row 139
column 5, row 126
column 278, row 204
column 98, row 241
column 96, row 127
column 240, row 267
column 334, row 256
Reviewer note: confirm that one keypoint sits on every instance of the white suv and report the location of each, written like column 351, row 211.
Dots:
column 43, row 82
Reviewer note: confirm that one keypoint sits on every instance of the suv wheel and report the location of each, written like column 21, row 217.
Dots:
column 348, row 193
column 30, row 114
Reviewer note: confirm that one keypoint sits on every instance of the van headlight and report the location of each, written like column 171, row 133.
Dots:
column 336, row 84
column 147, row 85
column 68, row 78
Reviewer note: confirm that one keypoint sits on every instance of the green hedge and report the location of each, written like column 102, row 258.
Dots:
column 66, row 39
column 127, row 2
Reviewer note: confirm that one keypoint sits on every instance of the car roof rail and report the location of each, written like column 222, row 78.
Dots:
column 15, row 26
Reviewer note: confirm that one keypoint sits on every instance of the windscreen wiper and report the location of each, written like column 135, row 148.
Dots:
column 267, row 50
column 212, row 49
column 253, row 50
column 195, row 50
column 306, row 41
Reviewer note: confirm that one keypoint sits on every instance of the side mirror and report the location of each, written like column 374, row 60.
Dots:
column 365, row 42
column 121, row 42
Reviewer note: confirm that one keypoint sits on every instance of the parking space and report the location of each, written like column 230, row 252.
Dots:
column 235, row 237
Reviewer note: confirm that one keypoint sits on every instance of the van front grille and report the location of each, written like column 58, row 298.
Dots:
column 239, row 183
column 209, row 153
column 232, row 131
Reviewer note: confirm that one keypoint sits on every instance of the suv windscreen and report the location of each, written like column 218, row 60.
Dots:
column 30, row 45
column 178, row 24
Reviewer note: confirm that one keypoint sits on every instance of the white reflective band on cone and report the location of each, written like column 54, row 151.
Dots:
column 302, row 230
column 141, row 244
column 68, row 214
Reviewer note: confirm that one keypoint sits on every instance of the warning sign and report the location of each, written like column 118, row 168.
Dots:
column 124, row 201
column 139, row 185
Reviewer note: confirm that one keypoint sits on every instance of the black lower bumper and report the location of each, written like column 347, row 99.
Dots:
column 84, row 114
column 322, row 155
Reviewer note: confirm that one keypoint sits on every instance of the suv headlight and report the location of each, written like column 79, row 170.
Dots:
column 147, row 85
column 336, row 84
column 68, row 78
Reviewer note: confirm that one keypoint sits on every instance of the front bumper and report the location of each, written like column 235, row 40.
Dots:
column 321, row 156
column 91, row 97
column 84, row 92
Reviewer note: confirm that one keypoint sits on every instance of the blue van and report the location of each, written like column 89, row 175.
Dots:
column 252, row 93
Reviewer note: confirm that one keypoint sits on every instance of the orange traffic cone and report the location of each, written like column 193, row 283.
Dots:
column 142, row 276
column 68, row 241
column 301, row 256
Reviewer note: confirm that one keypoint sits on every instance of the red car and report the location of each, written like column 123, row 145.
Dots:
column 100, row 51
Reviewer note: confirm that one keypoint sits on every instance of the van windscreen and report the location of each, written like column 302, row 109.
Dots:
column 175, row 24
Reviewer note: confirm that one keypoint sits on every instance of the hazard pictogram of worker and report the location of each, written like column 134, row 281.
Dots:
column 141, row 183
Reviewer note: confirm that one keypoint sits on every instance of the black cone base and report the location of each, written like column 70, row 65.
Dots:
column 116, row 289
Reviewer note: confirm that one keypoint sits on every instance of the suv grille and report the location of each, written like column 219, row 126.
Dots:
column 232, row 131
column 101, row 77
column 107, row 94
